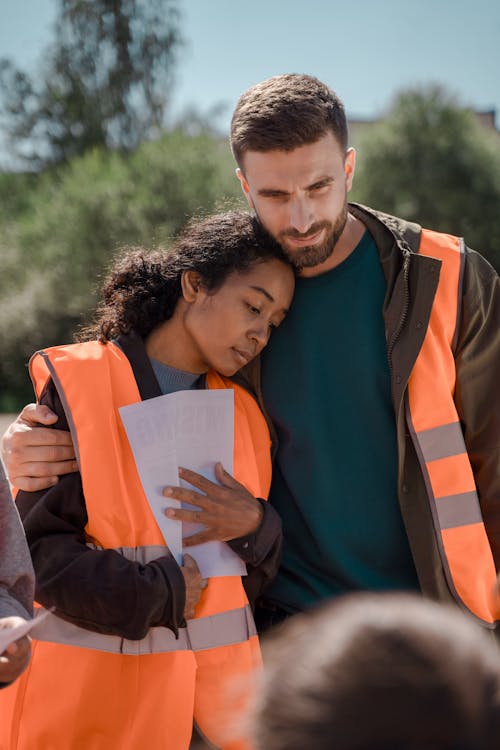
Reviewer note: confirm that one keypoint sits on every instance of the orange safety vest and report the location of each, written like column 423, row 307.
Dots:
column 437, row 435
column 84, row 690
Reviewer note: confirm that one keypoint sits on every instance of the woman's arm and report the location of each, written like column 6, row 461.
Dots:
column 250, row 526
column 261, row 551
column 96, row 589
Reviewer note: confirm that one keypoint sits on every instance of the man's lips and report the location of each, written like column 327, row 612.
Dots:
column 309, row 239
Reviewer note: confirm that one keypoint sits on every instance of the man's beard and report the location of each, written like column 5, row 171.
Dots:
column 314, row 255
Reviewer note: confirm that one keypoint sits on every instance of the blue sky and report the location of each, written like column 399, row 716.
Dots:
column 366, row 50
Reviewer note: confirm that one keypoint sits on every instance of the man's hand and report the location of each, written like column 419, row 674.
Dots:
column 35, row 456
column 194, row 585
column 16, row 656
column 228, row 512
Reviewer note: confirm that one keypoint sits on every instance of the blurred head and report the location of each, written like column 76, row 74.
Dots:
column 387, row 672
column 224, row 284
column 289, row 137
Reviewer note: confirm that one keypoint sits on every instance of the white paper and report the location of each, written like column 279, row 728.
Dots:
column 193, row 429
column 9, row 635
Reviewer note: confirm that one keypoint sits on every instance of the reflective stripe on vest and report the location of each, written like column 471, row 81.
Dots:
column 437, row 435
column 222, row 629
column 125, row 521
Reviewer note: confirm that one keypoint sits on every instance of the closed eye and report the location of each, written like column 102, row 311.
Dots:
column 273, row 324
column 274, row 194
column 319, row 186
column 254, row 310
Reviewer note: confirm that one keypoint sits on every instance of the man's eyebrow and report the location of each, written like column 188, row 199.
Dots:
column 276, row 193
column 271, row 192
column 323, row 181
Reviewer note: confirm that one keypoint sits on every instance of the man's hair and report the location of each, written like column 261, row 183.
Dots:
column 285, row 112
column 143, row 286
column 386, row 672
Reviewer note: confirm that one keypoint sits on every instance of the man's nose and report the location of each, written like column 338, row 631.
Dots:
column 301, row 215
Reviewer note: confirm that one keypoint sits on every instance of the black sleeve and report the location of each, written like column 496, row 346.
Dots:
column 477, row 391
column 261, row 551
column 96, row 589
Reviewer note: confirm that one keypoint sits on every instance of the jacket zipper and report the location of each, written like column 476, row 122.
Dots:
column 406, row 305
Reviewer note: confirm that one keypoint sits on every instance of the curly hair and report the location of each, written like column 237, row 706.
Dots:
column 285, row 112
column 143, row 286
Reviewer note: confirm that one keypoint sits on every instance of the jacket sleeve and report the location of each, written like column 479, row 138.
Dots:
column 17, row 579
column 96, row 589
column 477, row 393
column 261, row 551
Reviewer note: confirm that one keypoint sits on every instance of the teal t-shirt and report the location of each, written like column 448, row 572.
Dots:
column 326, row 384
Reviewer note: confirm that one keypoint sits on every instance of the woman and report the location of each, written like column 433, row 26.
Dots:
column 117, row 665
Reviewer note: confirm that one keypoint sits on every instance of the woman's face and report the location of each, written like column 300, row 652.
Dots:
column 227, row 328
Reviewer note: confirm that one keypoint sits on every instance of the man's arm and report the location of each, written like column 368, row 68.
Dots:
column 477, row 392
column 35, row 456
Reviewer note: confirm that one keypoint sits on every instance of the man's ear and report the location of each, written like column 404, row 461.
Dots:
column 349, row 166
column 245, row 187
column 191, row 283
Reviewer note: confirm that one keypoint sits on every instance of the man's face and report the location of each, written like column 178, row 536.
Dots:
column 300, row 196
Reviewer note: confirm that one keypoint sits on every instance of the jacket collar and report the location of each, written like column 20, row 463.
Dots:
column 133, row 347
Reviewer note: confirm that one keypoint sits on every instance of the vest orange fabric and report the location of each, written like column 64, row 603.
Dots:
column 106, row 692
column 438, row 438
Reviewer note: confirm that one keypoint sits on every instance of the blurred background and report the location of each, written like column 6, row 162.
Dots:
column 114, row 117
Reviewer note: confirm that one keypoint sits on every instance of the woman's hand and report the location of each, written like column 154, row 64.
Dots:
column 16, row 656
column 228, row 511
column 194, row 585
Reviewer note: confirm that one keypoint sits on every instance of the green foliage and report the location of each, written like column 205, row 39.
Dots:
column 15, row 194
column 430, row 161
column 104, row 83
column 71, row 224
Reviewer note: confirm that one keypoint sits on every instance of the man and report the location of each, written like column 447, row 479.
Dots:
column 380, row 384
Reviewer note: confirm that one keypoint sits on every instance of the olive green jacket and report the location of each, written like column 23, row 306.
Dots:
column 412, row 281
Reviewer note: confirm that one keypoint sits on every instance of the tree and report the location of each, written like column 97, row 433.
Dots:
column 66, row 225
column 430, row 161
column 105, row 80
